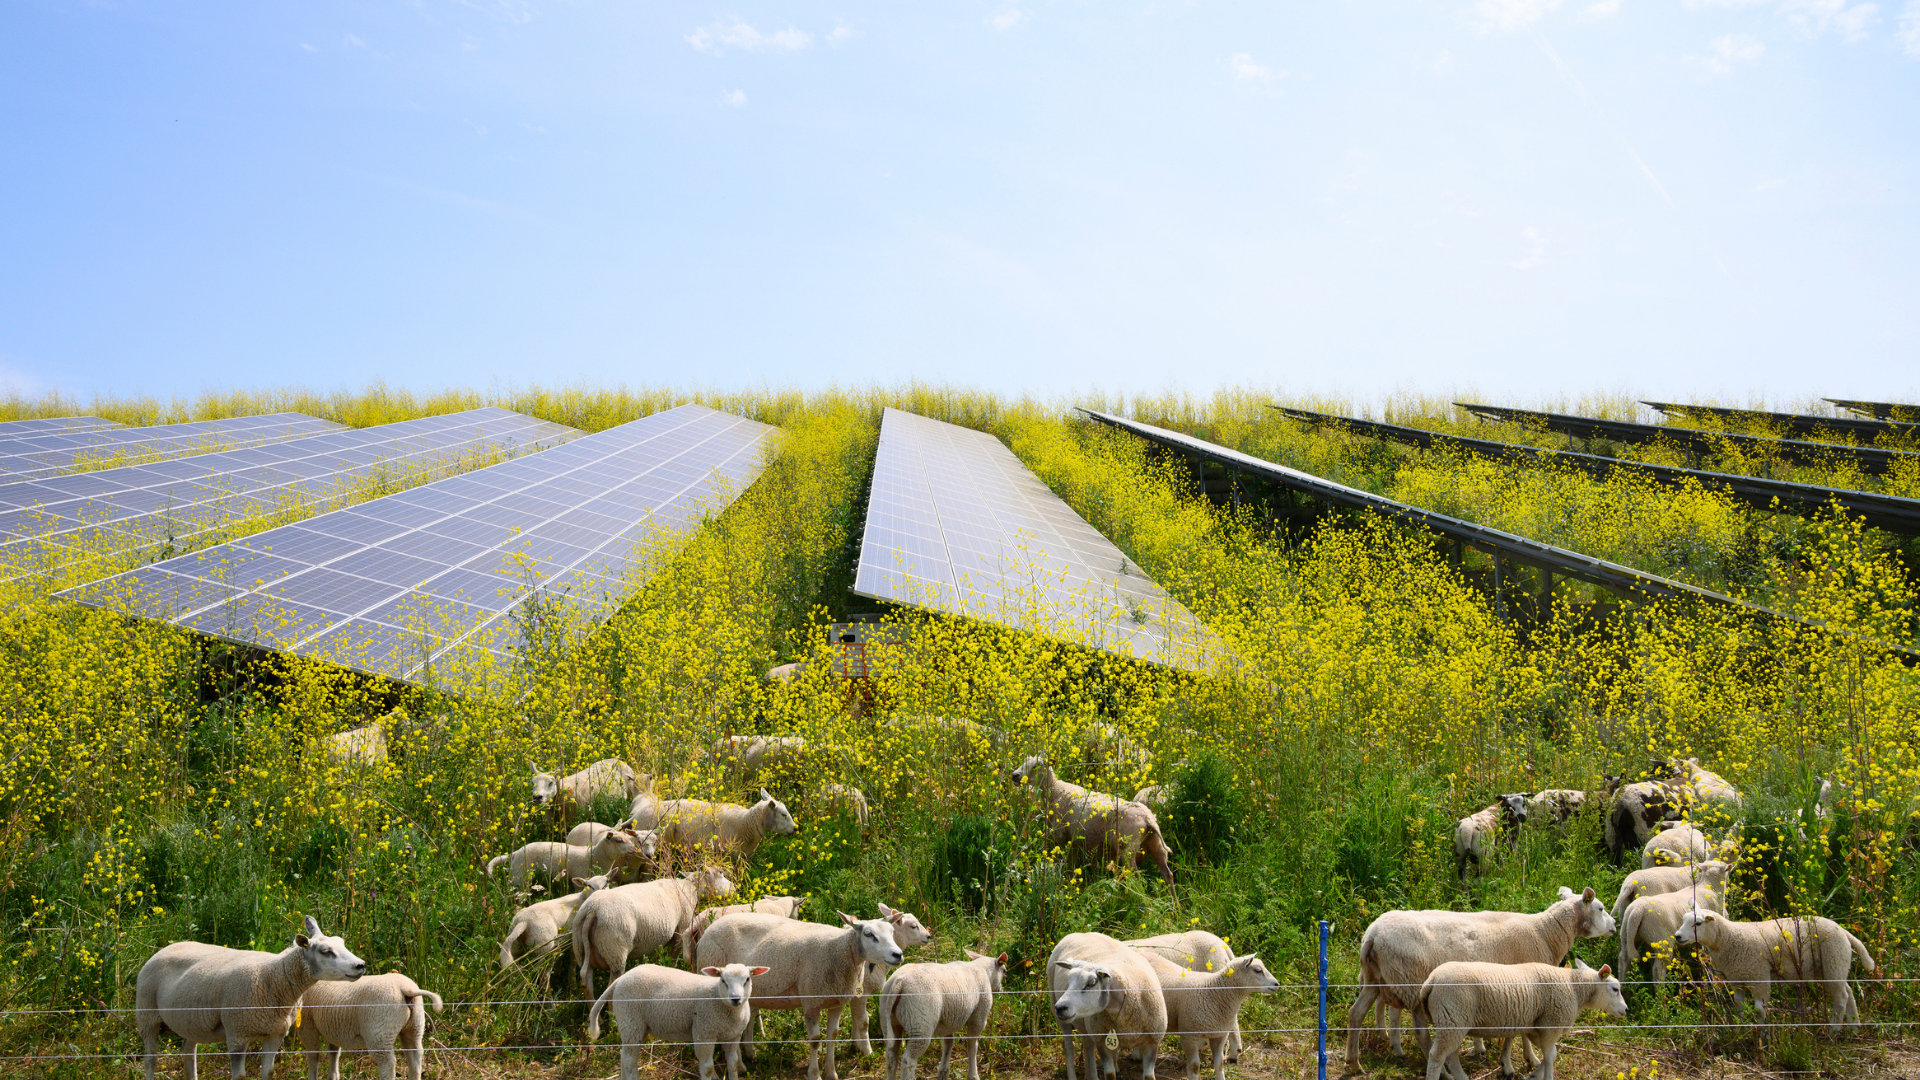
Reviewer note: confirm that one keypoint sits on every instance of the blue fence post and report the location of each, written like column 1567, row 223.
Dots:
column 1326, row 930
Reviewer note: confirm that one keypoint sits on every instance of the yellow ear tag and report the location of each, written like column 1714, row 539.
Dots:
column 1113, row 1041
column 296, row 1016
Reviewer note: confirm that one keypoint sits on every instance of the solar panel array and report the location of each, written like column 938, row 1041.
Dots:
column 435, row 582
column 55, row 452
column 955, row 523
column 174, row 500
column 14, row 429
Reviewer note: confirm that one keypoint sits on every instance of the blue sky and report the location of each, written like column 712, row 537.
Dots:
column 1678, row 197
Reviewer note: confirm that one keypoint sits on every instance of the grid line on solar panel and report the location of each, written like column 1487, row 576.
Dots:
column 54, row 453
column 955, row 523
column 401, row 593
column 15, row 429
column 185, row 497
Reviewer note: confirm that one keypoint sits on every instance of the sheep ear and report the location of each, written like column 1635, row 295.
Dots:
column 848, row 919
column 712, row 971
column 1580, row 965
column 1606, row 970
column 758, row 970
column 1063, row 964
column 887, row 912
column 1103, row 974
column 1586, row 896
column 764, row 795
column 971, row 955
column 301, row 941
column 1565, row 893
column 313, row 926
column 1001, row 959
column 580, row 883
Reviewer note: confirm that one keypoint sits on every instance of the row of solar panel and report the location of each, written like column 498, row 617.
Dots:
column 51, row 453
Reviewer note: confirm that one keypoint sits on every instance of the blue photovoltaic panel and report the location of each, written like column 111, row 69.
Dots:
column 53, row 453
column 16, row 429
column 438, row 579
column 174, row 500
column 955, row 523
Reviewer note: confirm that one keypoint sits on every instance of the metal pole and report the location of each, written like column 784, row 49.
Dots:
column 1326, row 929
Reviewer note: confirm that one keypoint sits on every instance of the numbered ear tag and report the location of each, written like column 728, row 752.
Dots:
column 1113, row 1041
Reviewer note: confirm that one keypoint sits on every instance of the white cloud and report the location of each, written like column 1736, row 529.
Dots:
column 737, row 34
column 1251, row 75
column 1605, row 9
column 354, row 40
column 1909, row 33
column 1728, row 53
column 1537, row 243
column 1720, row 3
column 839, row 35
column 308, row 47
column 734, row 98
column 1501, row 16
column 1007, row 19
column 1442, row 61
column 1816, row 17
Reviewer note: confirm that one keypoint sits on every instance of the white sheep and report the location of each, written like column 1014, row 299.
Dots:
column 1677, row 844
column 1195, row 950
column 708, row 1009
column 1652, row 920
column 924, row 1002
column 688, row 823
column 1552, row 806
column 835, row 797
column 615, row 925
column 958, row 733
column 374, row 1014
column 1097, row 824
column 1750, row 955
column 1654, row 880
column 1637, row 808
column 360, row 746
column 751, row 753
column 608, row 776
column 1203, row 1007
column 1477, row 834
column 207, row 993
column 1538, row 1002
column 1100, row 987
column 615, row 851
column 536, row 928
column 816, row 969
column 787, row 907
column 787, row 673
column 1708, row 788
column 588, row 833
column 908, row 933
column 1105, row 746
column 1155, row 796
column 1400, row 948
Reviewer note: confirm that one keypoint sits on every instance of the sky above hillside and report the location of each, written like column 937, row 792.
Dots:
column 1706, row 197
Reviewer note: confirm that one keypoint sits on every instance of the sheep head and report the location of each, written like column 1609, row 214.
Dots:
column 1086, row 991
column 326, row 956
column 875, row 939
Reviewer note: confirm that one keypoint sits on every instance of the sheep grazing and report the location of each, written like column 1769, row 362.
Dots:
column 751, row 753
column 1100, row 987
column 1676, row 845
column 1553, row 806
column 1097, row 824
column 374, row 1014
column 816, row 968
column 359, row 747
column 787, row 673
column 615, row 925
column 708, row 1009
column 1203, row 1007
column 833, row 798
column 588, row 833
column 1195, row 950
column 1652, row 920
column 1652, row 881
column 615, row 851
column 1538, row 1002
column 608, row 776
column 786, row 907
column 207, row 994
column 1401, row 948
column 924, row 1002
column 1154, row 796
column 908, row 933
column 688, row 823
column 1475, row 838
column 1708, row 788
column 536, row 927
column 1637, row 808
column 1750, row 955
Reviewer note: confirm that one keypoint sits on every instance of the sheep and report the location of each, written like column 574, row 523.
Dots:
column 1155, row 796
column 686, row 823
column 1749, row 955
column 1708, row 788
column 615, row 925
column 831, row 797
column 1195, row 950
column 787, row 673
column 1538, row 1002
column 1553, row 806
column 588, row 833
column 961, row 732
column 1477, row 834
column 707, row 1009
column 206, row 993
column 924, row 1002
column 1652, row 881
column 908, row 933
column 1822, row 809
column 1676, row 845
column 815, row 968
column 1203, row 1007
column 1100, row 987
column 563, row 862
column 1652, row 920
column 1636, row 809
column 1400, row 948
column 751, row 753
column 787, row 907
column 360, row 746
column 374, row 1014
column 1095, row 823
column 608, row 776
column 1105, row 746
column 537, row 927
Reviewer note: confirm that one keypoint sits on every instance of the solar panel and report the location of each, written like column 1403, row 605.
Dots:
column 177, row 499
column 457, row 574
column 956, row 524
column 14, row 429
column 55, row 452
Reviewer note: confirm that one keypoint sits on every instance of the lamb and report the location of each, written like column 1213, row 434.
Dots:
column 1637, row 808
column 608, row 776
column 787, row 907
column 1749, row 955
column 924, row 1002
column 1401, row 948
column 1095, row 823
column 815, row 968
column 588, row 833
column 206, row 993
column 615, row 925
column 831, row 797
column 908, row 933
column 537, row 927
column 1477, row 834
column 1553, row 806
column 1203, row 1007
column 787, row 673
column 1105, row 746
column 961, row 733
column 687, row 823
column 707, row 1009
column 644, row 811
column 360, row 746
column 1154, row 796
column 1539, row 1002
column 1676, row 845
column 373, row 1014
column 751, row 753
column 1708, row 788
column 562, row 862
column 1652, row 920
column 1195, row 950
column 1100, row 987
column 1652, row 881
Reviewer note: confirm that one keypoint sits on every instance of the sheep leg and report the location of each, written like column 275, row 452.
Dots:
column 1218, row 1045
column 703, row 1055
column 861, row 1044
column 411, row 1039
column 1659, row 968
column 236, row 1056
column 1149, row 1057
column 733, row 1062
column 190, row 1051
column 946, row 1056
column 747, row 1046
column 1356, row 1016
column 833, row 1031
column 912, row 1048
column 1839, row 997
column 973, row 1056
column 383, row 1060
column 1443, row 1053
column 1235, row 1044
column 890, row 1060
column 1066, row 1044
column 1548, row 1054
column 629, row 1060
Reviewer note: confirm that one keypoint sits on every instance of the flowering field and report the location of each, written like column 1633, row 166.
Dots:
column 157, row 786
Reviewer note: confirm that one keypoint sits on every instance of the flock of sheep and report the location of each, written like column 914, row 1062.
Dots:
column 1481, row 975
